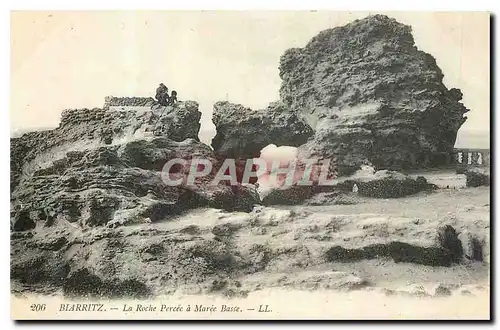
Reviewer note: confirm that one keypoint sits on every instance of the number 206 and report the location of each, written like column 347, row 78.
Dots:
column 37, row 307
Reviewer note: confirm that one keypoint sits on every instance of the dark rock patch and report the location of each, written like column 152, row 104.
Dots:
column 448, row 239
column 398, row 251
column 442, row 291
column 46, row 267
column 83, row 283
column 392, row 186
column 288, row 195
column 22, row 221
column 476, row 177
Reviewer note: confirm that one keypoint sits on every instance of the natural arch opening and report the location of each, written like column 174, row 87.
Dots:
column 273, row 154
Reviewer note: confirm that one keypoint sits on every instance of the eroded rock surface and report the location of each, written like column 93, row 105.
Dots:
column 105, row 168
column 114, row 101
column 91, row 214
column 86, row 129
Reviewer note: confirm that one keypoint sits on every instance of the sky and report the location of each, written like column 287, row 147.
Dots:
column 62, row 60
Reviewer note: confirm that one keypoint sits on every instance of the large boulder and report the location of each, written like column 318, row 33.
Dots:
column 473, row 245
column 372, row 97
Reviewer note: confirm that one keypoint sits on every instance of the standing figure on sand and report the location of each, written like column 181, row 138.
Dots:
column 162, row 96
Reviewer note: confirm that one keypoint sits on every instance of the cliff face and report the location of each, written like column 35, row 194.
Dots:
column 78, row 190
column 371, row 96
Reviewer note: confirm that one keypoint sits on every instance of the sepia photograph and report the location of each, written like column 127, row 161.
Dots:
column 250, row 165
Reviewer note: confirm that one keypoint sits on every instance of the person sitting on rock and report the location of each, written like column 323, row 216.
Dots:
column 162, row 94
column 160, row 91
column 173, row 98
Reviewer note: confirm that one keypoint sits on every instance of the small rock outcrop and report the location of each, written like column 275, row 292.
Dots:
column 448, row 239
column 390, row 184
column 383, row 184
column 292, row 195
column 442, row 291
column 446, row 252
column 476, row 177
column 473, row 245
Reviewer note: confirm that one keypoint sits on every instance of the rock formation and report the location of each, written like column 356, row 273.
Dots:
column 380, row 184
column 385, row 184
column 212, row 251
column 82, row 129
column 243, row 132
column 104, row 167
column 370, row 96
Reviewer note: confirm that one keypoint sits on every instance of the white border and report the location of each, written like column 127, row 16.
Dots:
column 351, row 5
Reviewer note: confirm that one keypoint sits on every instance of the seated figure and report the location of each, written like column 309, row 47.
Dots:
column 162, row 94
column 173, row 98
